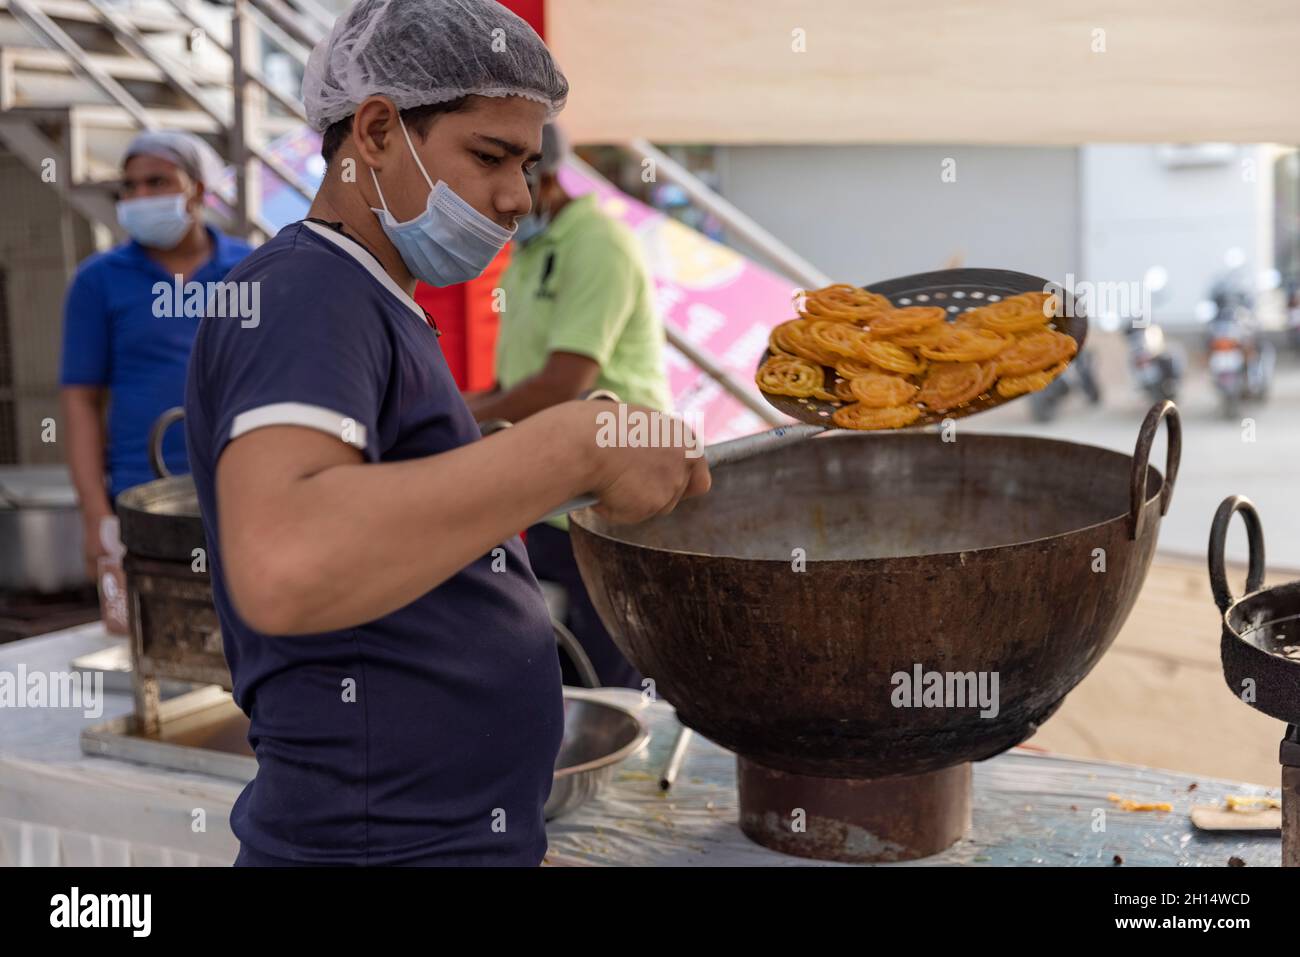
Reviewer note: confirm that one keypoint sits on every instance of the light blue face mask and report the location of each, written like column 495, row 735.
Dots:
column 530, row 226
column 159, row 222
column 450, row 241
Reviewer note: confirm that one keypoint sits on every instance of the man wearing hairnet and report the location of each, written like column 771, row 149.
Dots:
column 122, row 346
column 577, row 313
column 383, row 628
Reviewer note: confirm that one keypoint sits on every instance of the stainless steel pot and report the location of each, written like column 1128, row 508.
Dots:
column 40, row 530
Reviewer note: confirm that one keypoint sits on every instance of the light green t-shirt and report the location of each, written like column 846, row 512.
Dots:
column 582, row 286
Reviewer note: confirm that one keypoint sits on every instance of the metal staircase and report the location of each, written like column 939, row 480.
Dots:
column 78, row 78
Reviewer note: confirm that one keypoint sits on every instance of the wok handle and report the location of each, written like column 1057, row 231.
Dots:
column 1167, row 411
column 1218, row 534
column 156, row 433
column 720, row 453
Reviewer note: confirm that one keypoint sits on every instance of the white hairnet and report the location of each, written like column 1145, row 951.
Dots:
column 422, row 52
column 191, row 153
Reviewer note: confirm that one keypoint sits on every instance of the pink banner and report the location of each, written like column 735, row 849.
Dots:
column 722, row 304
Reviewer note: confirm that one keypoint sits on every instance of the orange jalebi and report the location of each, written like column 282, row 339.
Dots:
column 885, row 367
column 905, row 322
column 1026, row 312
column 794, row 338
column 838, row 338
column 1035, row 352
column 789, row 375
column 1011, row 386
column 878, row 390
column 926, row 337
column 852, row 368
column 842, row 303
column 893, row 358
column 858, row 416
column 951, row 384
column 966, row 345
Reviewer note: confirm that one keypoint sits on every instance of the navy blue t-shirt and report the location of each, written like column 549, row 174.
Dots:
column 446, row 753
column 122, row 331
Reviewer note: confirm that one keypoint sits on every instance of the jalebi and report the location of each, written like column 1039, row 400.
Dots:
column 1023, row 313
column 966, row 345
column 1011, row 386
column 838, row 338
column 893, row 358
column 951, row 384
column 790, row 375
column 852, row 368
column 842, row 303
column 908, row 321
column 858, row 416
column 926, row 337
column 877, row 390
column 794, row 338
column 1035, row 352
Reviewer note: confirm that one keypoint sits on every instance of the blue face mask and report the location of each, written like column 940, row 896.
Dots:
column 450, row 241
column 531, row 226
column 159, row 222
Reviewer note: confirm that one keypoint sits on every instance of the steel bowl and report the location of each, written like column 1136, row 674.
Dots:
column 597, row 737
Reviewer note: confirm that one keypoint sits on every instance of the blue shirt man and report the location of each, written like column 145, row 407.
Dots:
column 114, row 338
column 126, row 333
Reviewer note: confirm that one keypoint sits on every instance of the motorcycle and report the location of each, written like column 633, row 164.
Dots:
column 1157, row 364
column 1241, row 360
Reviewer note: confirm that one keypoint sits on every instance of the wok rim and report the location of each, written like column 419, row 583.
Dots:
column 575, row 517
column 1238, row 603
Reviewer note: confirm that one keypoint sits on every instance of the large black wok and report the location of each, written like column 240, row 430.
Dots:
column 994, row 554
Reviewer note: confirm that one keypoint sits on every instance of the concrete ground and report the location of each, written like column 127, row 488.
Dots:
column 1158, row 697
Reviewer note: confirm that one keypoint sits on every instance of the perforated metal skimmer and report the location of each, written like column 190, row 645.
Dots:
column 957, row 291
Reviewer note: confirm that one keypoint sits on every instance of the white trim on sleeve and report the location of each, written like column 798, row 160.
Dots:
column 342, row 427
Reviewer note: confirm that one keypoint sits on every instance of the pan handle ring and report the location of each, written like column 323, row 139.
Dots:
column 156, row 433
column 1218, row 533
column 1167, row 411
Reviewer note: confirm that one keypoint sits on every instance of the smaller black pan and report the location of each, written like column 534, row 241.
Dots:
column 1260, row 646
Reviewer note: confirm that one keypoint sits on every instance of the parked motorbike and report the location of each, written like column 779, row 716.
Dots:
column 1157, row 364
column 1241, row 359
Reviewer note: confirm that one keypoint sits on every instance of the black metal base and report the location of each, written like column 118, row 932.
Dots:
column 854, row 820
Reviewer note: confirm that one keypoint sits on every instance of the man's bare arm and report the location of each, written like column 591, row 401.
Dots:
column 82, row 408
column 313, row 539
column 565, row 376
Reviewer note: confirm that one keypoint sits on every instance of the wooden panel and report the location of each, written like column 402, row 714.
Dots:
column 997, row 71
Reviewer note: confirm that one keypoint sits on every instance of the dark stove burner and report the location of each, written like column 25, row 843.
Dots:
column 24, row 614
